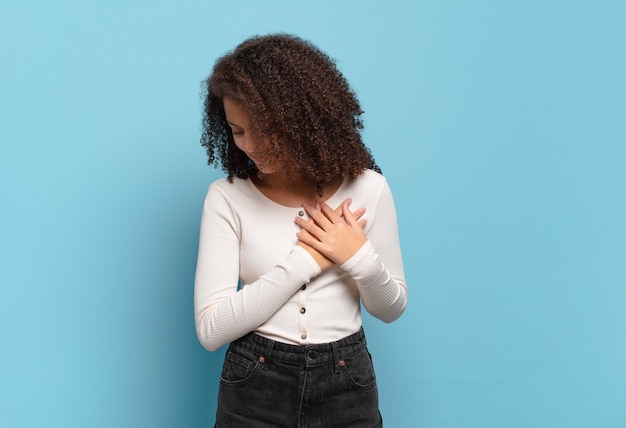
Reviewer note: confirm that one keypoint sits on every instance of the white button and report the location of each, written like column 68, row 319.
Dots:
column 301, row 213
column 303, row 336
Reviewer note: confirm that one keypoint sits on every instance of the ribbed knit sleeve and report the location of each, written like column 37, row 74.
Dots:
column 377, row 267
column 223, row 312
column 382, row 295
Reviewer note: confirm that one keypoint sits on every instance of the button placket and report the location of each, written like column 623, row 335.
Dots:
column 302, row 322
column 301, row 214
column 302, row 296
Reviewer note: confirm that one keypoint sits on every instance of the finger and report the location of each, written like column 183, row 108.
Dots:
column 330, row 213
column 358, row 213
column 348, row 216
column 339, row 209
column 317, row 215
column 310, row 226
column 310, row 240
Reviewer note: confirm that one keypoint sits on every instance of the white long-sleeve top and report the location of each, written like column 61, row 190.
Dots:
column 251, row 275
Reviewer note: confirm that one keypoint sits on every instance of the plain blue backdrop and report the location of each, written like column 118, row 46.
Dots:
column 500, row 125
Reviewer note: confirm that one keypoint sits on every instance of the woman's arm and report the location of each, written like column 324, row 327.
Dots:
column 374, row 260
column 377, row 267
column 222, row 312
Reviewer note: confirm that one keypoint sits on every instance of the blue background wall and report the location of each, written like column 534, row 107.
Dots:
column 501, row 126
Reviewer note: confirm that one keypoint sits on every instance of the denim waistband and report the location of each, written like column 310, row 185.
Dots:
column 307, row 356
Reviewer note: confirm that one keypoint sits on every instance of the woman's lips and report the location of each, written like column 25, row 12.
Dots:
column 256, row 158
column 263, row 163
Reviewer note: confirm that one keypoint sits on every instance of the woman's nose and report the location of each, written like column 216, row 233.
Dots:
column 249, row 145
column 245, row 146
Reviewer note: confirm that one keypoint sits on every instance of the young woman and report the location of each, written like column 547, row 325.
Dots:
column 283, row 262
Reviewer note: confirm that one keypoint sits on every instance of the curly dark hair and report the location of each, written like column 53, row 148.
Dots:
column 296, row 100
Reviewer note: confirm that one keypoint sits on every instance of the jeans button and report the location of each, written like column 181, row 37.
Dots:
column 312, row 355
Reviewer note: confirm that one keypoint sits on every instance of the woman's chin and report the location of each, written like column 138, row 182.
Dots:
column 265, row 169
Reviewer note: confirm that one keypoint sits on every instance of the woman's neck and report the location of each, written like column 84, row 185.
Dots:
column 294, row 190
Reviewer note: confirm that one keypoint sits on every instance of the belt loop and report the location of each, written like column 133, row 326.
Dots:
column 334, row 345
column 264, row 358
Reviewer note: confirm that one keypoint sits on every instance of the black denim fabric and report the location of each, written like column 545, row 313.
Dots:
column 271, row 384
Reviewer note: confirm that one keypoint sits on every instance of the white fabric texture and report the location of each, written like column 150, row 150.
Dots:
column 250, row 272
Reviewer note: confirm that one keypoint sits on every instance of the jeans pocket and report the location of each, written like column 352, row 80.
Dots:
column 358, row 369
column 240, row 366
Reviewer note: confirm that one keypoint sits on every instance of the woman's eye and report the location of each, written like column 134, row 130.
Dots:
column 237, row 132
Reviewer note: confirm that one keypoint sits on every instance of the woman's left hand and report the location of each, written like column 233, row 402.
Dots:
column 336, row 234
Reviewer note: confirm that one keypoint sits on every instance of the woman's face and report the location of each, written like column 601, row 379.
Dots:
column 237, row 119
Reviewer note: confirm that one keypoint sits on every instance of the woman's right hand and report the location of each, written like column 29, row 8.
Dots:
column 322, row 261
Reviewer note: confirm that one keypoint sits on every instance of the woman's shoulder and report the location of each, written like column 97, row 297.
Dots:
column 369, row 185
column 369, row 179
column 236, row 184
column 235, row 189
column 372, row 176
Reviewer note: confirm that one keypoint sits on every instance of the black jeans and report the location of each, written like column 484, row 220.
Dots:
column 271, row 384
